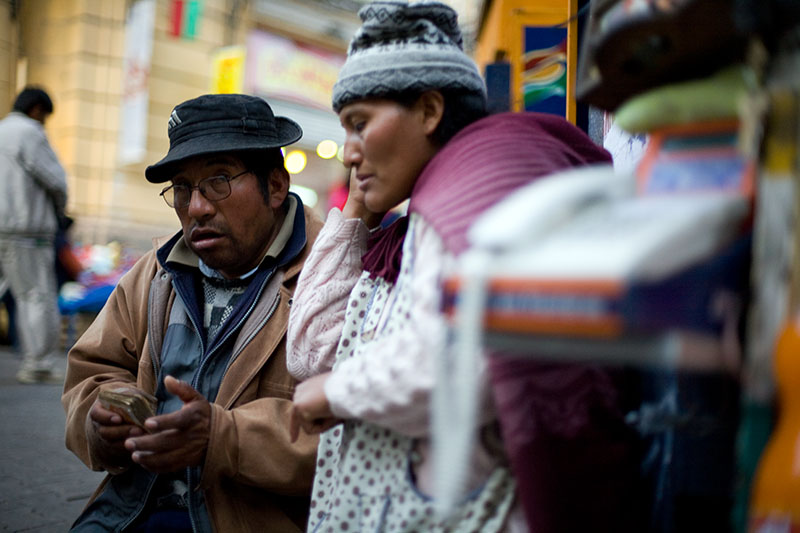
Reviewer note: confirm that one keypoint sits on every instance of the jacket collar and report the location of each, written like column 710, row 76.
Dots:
column 22, row 116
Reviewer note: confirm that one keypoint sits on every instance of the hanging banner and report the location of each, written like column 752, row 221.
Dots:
column 135, row 81
column 290, row 71
column 544, row 70
column 184, row 18
column 227, row 70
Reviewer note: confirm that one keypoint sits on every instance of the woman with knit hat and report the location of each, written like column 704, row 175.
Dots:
column 366, row 323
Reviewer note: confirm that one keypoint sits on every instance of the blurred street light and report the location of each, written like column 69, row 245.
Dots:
column 295, row 161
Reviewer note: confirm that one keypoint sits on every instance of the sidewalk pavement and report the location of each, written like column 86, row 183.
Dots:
column 43, row 486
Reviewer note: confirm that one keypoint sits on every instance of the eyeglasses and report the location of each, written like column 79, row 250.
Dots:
column 214, row 189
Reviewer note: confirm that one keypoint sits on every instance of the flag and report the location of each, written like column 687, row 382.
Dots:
column 185, row 18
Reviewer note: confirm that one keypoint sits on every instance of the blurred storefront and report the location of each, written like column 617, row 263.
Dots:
column 116, row 69
column 297, row 79
column 528, row 51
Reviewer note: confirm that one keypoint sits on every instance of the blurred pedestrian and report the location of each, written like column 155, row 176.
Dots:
column 366, row 323
column 199, row 324
column 33, row 202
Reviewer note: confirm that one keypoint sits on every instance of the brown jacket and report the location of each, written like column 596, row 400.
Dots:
column 253, row 478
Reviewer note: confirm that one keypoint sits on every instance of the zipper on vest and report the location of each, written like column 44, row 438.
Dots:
column 230, row 332
column 267, row 316
column 201, row 367
column 190, row 502
column 155, row 351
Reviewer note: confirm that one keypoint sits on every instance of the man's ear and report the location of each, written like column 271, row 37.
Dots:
column 431, row 104
column 278, row 187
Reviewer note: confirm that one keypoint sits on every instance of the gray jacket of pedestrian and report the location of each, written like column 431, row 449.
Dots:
column 33, row 187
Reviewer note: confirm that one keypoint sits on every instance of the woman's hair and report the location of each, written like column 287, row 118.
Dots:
column 461, row 108
column 262, row 163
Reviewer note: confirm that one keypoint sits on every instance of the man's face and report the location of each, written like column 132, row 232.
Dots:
column 233, row 234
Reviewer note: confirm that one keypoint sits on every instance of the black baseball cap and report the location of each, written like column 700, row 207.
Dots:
column 215, row 123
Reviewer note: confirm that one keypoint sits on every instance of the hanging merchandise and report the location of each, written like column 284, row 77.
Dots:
column 775, row 504
column 638, row 280
column 774, row 333
column 716, row 97
column 701, row 156
column 633, row 46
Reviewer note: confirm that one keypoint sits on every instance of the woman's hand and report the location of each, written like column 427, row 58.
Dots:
column 354, row 207
column 311, row 410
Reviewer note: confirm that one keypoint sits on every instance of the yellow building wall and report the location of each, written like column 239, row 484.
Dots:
column 8, row 57
column 179, row 70
column 502, row 31
column 74, row 49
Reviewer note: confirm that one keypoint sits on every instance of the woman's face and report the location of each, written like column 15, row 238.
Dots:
column 388, row 144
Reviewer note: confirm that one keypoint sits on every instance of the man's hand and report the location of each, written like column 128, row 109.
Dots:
column 311, row 410
column 107, row 432
column 176, row 440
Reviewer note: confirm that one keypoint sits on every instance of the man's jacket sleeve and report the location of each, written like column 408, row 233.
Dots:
column 250, row 444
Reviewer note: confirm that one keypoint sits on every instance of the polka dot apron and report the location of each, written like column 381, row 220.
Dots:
column 363, row 478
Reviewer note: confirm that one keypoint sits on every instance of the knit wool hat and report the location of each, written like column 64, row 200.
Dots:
column 405, row 47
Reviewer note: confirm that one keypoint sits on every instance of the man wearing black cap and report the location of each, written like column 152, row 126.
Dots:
column 199, row 323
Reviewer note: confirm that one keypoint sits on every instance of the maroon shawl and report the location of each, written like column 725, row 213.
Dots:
column 482, row 164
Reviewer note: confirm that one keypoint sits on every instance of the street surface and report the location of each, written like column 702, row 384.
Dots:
column 43, row 486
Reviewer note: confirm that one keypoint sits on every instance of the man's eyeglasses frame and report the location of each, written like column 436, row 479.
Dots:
column 205, row 188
